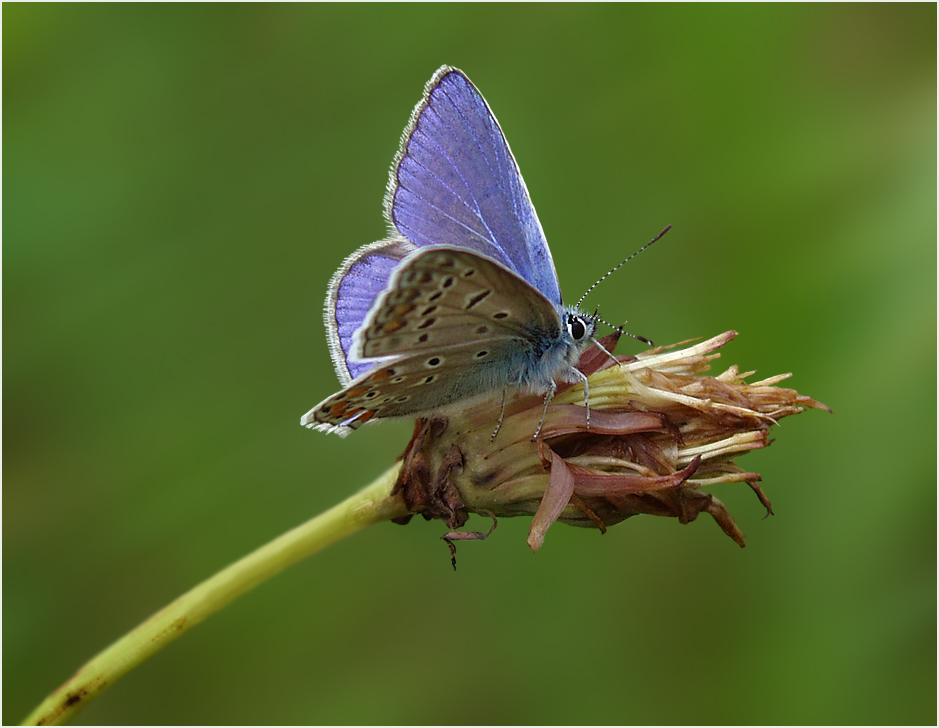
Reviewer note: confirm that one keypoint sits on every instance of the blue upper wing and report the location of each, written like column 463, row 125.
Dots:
column 353, row 289
column 455, row 182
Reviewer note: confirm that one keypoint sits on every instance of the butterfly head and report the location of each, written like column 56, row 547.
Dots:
column 580, row 327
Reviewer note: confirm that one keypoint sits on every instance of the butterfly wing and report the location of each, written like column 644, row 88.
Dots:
column 350, row 295
column 455, row 182
column 409, row 387
column 452, row 325
column 441, row 297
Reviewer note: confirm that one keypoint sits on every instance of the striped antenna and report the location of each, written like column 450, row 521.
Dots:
column 613, row 270
column 643, row 339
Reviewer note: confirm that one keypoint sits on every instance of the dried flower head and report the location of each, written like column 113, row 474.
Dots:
column 660, row 431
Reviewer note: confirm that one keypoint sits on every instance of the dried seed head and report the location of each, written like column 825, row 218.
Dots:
column 660, row 431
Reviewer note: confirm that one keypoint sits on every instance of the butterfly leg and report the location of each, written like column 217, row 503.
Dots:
column 583, row 376
column 501, row 417
column 606, row 351
column 547, row 399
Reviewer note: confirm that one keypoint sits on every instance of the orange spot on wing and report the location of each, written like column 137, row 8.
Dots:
column 337, row 409
column 359, row 416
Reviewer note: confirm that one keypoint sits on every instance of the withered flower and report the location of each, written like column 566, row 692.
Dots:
column 660, row 431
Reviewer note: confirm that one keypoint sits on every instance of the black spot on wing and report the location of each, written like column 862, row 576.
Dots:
column 481, row 296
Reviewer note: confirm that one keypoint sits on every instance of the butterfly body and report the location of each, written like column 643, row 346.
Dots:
column 471, row 328
column 462, row 300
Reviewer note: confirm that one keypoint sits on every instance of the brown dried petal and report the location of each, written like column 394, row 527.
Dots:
column 556, row 497
column 589, row 482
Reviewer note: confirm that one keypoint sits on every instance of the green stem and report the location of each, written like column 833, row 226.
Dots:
column 370, row 505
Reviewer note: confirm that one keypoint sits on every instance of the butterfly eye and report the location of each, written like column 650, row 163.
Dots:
column 576, row 327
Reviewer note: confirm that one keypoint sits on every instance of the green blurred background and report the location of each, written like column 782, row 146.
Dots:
column 181, row 182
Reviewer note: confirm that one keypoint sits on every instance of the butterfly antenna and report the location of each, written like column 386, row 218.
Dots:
column 613, row 270
column 596, row 317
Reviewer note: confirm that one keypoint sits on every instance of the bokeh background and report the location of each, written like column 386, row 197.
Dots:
column 181, row 182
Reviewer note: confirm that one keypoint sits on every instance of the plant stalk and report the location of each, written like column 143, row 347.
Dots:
column 370, row 505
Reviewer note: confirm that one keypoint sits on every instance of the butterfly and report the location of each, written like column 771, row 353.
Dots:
column 462, row 300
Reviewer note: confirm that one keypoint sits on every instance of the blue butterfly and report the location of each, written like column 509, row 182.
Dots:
column 462, row 299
